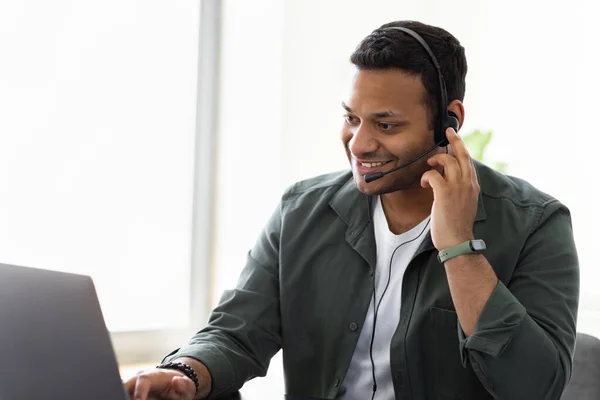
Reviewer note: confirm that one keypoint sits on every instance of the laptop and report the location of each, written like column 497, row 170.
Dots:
column 54, row 344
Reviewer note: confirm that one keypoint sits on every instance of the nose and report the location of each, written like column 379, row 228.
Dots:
column 362, row 141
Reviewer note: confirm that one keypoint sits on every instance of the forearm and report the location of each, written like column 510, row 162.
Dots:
column 506, row 344
column 518, row 334
column 204, row 378
column 471, row 280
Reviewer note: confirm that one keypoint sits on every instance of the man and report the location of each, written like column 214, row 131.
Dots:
column 378, row 289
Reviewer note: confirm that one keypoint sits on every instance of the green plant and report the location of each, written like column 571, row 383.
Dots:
column 476, row 142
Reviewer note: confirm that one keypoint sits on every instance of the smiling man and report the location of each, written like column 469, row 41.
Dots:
column 419, row 274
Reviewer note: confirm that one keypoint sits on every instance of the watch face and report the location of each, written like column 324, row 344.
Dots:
column 477, row 245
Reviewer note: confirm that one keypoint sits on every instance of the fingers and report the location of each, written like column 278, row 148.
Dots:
column 433, row 179
column 460, row 152
column 183, row 387
column 169, row 385
column 450, row 164
column 130, row 386
column 474, row 179
column 142, row 387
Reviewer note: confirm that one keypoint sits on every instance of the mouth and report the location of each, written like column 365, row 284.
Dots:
column 369, row 167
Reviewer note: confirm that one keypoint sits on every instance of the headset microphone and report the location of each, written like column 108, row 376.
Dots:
column 376, row 175
column 453, row 120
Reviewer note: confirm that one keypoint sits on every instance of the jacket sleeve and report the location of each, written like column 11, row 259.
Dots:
column 523, row 343
column 244, row 330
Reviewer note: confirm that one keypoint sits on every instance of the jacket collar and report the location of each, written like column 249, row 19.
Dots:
column 352, row 207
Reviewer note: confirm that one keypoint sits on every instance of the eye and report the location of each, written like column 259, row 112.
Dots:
column 386, row 127
column 350, row 119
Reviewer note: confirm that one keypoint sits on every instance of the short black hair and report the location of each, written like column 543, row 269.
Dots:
column 388, row 48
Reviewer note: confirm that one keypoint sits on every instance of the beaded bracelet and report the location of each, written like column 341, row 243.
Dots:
column 186, row 369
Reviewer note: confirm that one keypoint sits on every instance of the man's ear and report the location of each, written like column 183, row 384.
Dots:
column 457, row 107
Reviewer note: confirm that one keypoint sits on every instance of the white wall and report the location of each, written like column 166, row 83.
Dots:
column 249, row 123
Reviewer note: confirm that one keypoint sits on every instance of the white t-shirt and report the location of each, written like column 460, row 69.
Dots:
column 358, row 383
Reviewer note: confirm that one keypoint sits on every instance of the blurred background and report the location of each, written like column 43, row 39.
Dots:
column 146, row 142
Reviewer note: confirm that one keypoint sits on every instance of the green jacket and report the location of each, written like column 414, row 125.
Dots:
column 307, row 285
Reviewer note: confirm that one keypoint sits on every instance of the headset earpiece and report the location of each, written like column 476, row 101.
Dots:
column 452, row 121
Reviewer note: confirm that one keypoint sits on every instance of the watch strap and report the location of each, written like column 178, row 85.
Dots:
column 458, row 250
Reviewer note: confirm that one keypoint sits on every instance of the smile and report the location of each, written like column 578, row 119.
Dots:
column 373, row 165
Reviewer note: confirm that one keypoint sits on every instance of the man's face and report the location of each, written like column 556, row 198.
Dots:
column 386, row 124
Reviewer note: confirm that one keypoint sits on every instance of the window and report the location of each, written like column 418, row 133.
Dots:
column 97, row 152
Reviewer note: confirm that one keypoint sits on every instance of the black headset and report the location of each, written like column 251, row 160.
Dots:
column 445, row 118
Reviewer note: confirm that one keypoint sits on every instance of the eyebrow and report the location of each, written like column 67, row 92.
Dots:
column 380, row 114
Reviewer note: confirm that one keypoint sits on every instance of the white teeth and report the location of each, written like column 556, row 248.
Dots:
column 372, row 165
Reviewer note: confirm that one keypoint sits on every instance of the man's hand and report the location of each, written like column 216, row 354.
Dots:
column 455, row 194
column 470, row 277
column 164, row 384
column 168, row 384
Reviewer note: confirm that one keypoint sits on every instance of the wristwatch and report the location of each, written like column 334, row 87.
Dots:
column 468, row 247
